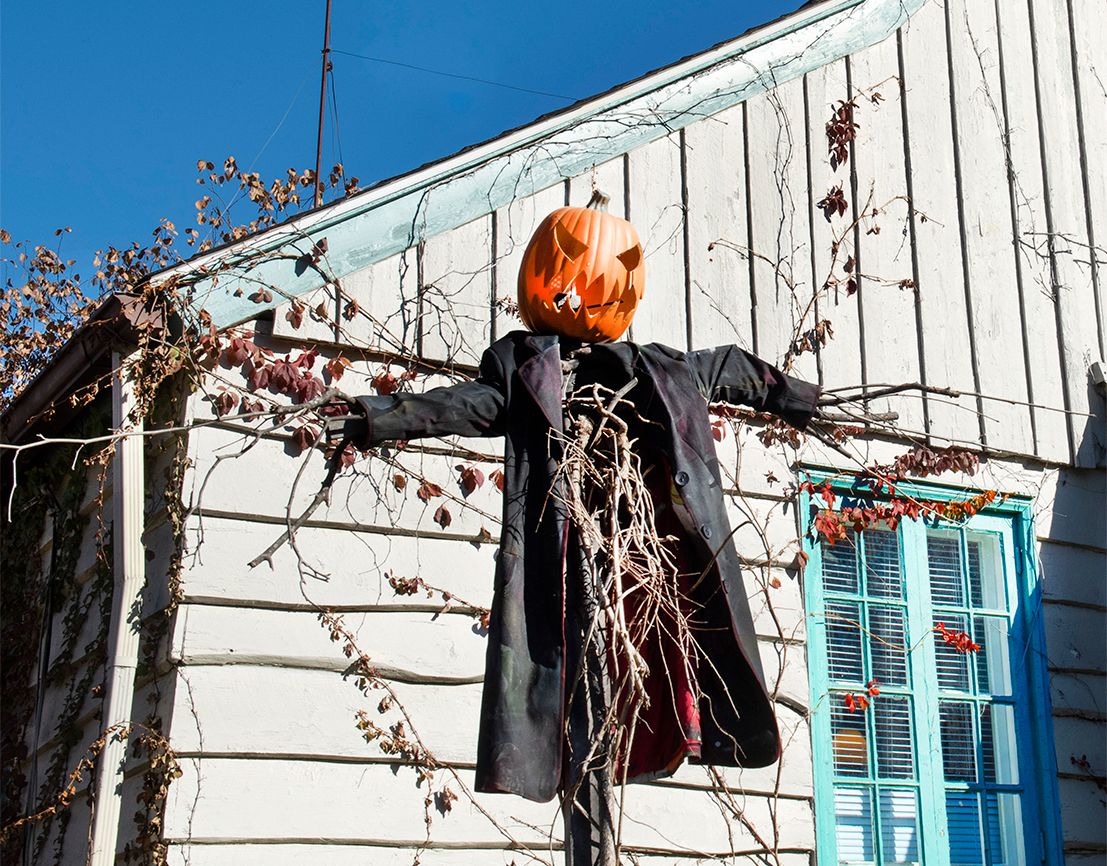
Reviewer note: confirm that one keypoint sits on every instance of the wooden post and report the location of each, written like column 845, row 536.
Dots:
column 587, row 792
column 588, row 797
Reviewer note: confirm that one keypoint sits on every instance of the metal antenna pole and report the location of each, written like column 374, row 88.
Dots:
column 322, row 107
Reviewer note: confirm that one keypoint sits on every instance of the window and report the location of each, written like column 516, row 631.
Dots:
column 930, row 711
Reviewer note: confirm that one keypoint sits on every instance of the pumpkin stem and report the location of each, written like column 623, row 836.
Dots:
column 599, row 200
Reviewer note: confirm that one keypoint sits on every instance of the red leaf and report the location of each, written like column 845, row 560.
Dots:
column 442, row 516
column 471, row 479
column 497, row 477
column 384, row 383
column 428, row 490
column 308, row 387
column 336, row 367
column 225, row 402
column 295, row 314
column 304, row 437
column 399, row 482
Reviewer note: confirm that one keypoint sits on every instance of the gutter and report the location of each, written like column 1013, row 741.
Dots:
column 128, row 524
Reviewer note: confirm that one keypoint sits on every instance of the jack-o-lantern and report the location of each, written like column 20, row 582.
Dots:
column 583, row 274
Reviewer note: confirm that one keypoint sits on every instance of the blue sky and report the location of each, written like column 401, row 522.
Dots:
column 106, row 107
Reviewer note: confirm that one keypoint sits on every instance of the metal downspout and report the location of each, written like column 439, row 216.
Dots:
column 128, row 523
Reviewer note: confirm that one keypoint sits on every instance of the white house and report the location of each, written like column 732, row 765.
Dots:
column 968, row 258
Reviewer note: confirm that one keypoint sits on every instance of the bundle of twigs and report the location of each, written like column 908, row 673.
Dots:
column 632, row 569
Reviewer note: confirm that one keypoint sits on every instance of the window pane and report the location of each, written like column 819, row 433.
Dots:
column 998, row 747
column 899, row 830
column 894, row 743
column 993, row 665
column 840, row 566
column 851, row 744
column 853, row 818
column 958, row 741
column 882, row 568
column 952, row 664
column 1005, row 829
column 888, row 644
column 963, row 820
column 943, row 550
column 985, row 572
column 843, row 642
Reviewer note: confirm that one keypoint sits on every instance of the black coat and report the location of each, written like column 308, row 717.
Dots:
column 518, row 395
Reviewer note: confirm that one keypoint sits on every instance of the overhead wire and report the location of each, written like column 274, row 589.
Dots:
column 456, row 75
column 336, row 129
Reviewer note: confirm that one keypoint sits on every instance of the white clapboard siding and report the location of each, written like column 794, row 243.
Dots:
column 1078, row 696
column 258, row 481
column 1070, row 574
column 718, row 231
column 884, row 253
column 781, row 236
column 184, row 854
column 294, row 800
column 449, row 648
column 455, row 296
column 1082, row 807
column 944, row 315
column 1026, row 189
column 1073, row 502
column 840, row 360
column 251, row 710
column 1078, row 331
column 657, row 211
column 357, row 564
column 1074, row 637
column 986, row 222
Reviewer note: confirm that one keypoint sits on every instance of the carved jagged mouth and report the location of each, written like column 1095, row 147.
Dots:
column 571, row 298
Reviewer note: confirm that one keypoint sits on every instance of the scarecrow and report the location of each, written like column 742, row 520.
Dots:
column 621, row 639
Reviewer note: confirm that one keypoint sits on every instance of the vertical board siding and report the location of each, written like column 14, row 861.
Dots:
column 831, row 244
column 884, row 251
column 1026, row 191
column 658, row 214
column 944, row 315
column 1066, row 221
column 718, row 278
column 1088, row 24
column 986, row 228
column 514, row 226
column 780, row 232
column 455, row 295
column 386, row 297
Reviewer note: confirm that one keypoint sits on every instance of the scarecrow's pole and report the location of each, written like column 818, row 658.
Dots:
column 587, row 795
column 588, row 801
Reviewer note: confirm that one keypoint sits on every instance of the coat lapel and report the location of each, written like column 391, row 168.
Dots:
column 541, row 376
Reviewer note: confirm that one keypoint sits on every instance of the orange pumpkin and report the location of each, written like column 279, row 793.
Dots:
column 583, row 274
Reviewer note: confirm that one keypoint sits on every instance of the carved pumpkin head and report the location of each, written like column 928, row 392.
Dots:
column 583, row 274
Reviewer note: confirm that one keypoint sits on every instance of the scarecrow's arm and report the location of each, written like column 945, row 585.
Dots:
column 473, row 408
column 731, row 375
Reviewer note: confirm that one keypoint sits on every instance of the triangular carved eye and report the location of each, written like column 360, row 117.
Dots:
column 631, row 258
column 569, row 245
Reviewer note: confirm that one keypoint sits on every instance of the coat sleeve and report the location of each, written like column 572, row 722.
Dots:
column 473, row 408
column 731, row 375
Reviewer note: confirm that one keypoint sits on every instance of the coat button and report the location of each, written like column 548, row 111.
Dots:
column 705, row 531
column 681, row 478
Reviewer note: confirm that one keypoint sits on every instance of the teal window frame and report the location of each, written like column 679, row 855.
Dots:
column 1013, row 522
